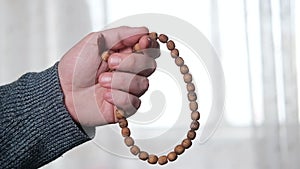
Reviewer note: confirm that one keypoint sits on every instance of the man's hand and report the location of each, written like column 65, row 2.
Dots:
column 91, row 90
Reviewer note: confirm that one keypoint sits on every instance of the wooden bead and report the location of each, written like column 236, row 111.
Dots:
column 137, row 47
column 186, row 143
column 129, row 141
column 125, row 132
column 123, row 123
column 193, row 106
column 175, row 53
column 191, row 134
column 105, row 55
column 153, row 36
column 195, row 125
column 135, row 150
column 190, row 87
column 195, row 115
column 119, row 114
column 192, row 96
column 163, row 160
column 163, row 38
column 184, row 69
column 143, row 155
column 170, row 45
column 179, row 149
column 172, row 156
column 179, row 61
column 152, row 159
column 187, row 78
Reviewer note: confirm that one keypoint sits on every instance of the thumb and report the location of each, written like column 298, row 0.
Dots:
column 122, row 37
column 86, row 60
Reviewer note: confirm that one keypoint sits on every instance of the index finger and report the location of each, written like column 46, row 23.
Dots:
column 124, row 36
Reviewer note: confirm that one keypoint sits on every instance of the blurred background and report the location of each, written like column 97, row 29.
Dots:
column 258, row 42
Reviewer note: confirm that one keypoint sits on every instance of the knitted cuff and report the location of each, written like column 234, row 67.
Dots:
column 36, row 127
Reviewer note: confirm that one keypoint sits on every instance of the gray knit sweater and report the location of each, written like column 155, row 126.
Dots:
column 35, row 126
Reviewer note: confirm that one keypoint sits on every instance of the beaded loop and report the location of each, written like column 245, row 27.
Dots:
column 191, row 96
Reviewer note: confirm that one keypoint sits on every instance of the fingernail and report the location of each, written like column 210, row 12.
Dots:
column 105, row 79
column 114, row 61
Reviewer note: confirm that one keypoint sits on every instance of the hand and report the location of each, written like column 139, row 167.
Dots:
column 91, row 90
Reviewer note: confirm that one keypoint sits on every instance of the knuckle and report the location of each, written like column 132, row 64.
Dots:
column 135, row 103
column 152, row 65
column 132, row 61
column 149, row 67
column 131, row 103
column 138, row 103
column 139, row 86
column 144, row 83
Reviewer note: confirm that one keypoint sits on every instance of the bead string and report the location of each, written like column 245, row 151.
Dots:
column 193, row 105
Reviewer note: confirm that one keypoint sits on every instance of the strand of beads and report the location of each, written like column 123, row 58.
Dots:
column 193, row 105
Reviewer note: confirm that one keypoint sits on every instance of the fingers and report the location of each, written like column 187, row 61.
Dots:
column 127, row 82
column 121, row 37
column 125, row 101
column 133, row 63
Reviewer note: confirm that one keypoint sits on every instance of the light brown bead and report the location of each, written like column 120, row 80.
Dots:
column 190, row 87
column 152, row 159
column 193, row 106
column 137, row 47
column 143, row 155
column 195, row 115
column 175, row 53
column 184, row 69
column 187, row 78
column 105, row 55
column 192, row 96
column 119, row 114
column 153, row 35
column 163, row 38
column 129, row 141
column 125, row 132
column 162, row 160
column 179, row 149
column 135, row 150
column 195, row 125
column 191, row 134
column 123, row 123
column 186, row 143
column 172, row 156
column 170, row 45
column 179, row 61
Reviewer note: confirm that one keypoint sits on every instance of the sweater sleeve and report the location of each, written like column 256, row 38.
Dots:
column 35, row 126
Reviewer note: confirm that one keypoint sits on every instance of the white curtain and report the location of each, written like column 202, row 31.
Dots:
column 258, row 44
column 33, row 33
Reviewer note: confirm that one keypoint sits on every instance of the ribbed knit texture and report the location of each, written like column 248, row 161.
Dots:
column 35, row 126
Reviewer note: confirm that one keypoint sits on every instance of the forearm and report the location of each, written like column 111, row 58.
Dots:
column 35, row 126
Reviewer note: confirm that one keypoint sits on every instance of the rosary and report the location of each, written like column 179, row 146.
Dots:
column 193, row 105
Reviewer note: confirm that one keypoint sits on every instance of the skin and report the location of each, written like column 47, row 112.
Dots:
column 91, row 91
